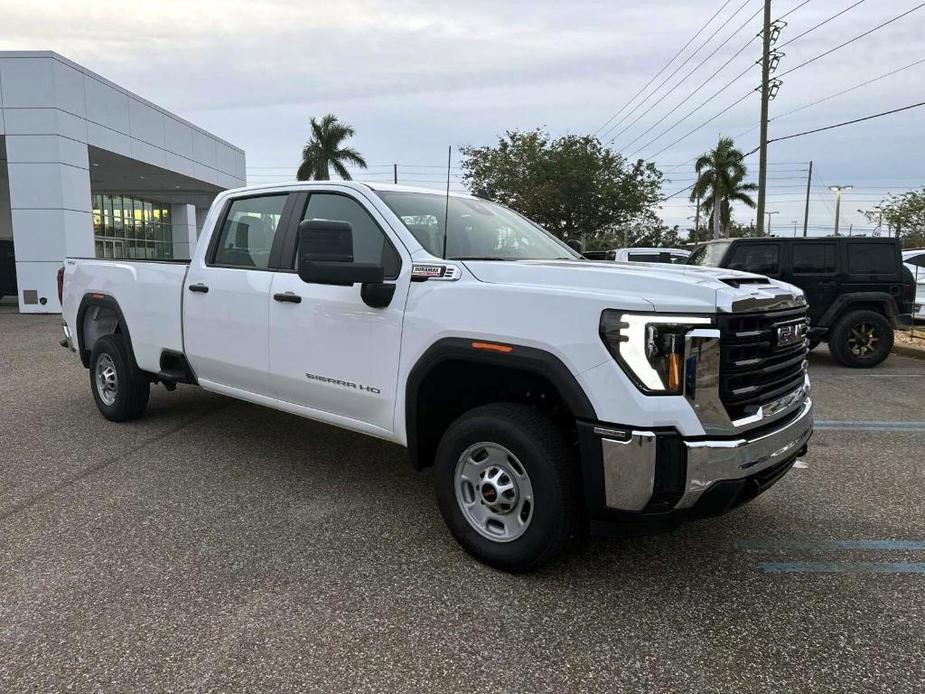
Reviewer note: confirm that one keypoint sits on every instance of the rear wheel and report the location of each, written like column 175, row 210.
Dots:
column 861, row 339
column 506, row 485
column 120, row 389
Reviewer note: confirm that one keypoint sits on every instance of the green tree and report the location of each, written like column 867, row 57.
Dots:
column 572, row 186
column 325, row 151
column 904, row 216
column 720, row 176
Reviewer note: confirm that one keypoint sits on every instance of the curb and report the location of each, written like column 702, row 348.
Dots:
column 908, row 351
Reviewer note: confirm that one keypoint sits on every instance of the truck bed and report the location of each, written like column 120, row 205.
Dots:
column 149, row 294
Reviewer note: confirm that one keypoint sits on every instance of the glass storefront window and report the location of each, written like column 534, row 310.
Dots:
column 129, row 227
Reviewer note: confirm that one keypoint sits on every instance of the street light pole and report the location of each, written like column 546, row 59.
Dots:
column 838, row 191
column 769, row 219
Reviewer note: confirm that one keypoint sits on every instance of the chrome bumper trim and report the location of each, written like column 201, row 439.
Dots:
column 629, row 471
column 712, row 461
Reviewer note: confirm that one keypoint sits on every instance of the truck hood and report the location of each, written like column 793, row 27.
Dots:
column 669, row 288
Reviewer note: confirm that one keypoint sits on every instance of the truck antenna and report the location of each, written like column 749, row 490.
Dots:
column 446, row 211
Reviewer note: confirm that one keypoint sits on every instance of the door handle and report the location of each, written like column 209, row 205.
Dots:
column 288, row 297
column 199, row 288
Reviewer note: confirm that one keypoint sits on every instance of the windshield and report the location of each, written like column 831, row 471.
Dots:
column 709, row 254
column 479, row 229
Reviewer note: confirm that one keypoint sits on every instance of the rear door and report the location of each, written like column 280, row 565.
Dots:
column 873, row 266
column 329, row 351
column 226, row 301
column 813, row 268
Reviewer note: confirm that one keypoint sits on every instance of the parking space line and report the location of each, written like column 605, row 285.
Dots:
column 840, row 567
column 822, row 425
column 829, row 545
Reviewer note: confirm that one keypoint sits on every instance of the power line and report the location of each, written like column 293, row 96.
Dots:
column 849, row 122
column 821, row 24
column 665, row 67
column 798, row 7
column 688, row 75
column 703, row 125
column 850, row 41
column 841, row 93
column 702, row 84
column 675, row 72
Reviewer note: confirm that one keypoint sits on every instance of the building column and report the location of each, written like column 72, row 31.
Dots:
column 51, row 215
column 183, row 228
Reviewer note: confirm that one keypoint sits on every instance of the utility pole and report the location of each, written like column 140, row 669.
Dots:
column 765, row 99
column 838, row 191
column 395, row 173
column 809, row 184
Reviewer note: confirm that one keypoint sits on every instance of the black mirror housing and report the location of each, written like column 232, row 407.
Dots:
column 326, row 255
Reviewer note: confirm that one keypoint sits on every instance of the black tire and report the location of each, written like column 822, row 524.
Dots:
column 849, row 341
column 129, row 396
column 541, row 449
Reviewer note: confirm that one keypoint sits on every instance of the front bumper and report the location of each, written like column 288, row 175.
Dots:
column 632, row 474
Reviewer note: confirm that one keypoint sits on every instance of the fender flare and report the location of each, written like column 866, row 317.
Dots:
column 844, row 302
column 529, row 359
column 97, row 299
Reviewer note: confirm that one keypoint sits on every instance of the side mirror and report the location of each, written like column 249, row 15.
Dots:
column 326, row 255
column 575, row 245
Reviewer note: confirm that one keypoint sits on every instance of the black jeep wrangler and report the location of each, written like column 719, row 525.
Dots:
column 857, row 288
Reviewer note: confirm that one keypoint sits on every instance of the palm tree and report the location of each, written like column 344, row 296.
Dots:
column 720, row 176
column 325, row 151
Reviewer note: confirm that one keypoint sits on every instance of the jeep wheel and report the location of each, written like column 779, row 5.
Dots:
column 506, row 485
column 119, row 388
column 861, row 339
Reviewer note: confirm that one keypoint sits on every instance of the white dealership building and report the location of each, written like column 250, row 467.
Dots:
column 89, row 169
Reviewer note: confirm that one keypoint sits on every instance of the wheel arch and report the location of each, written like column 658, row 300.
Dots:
column 453, row 376
column 882, row 302
column 98, row 315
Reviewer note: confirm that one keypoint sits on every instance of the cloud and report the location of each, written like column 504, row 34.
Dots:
column 414, row 75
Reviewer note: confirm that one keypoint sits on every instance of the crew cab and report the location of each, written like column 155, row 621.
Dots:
column 857, row 288
column 554, row 395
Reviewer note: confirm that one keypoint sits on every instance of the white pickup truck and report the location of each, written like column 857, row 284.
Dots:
column 554, row 395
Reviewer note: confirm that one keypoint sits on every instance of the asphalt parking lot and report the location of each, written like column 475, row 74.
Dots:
column 216, row 545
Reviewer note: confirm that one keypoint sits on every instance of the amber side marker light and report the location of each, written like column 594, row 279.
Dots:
column 492, row 347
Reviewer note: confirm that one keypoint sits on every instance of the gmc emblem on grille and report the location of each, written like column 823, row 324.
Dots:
column 788, row 335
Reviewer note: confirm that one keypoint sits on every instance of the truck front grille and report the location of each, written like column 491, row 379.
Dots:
column 757, row 365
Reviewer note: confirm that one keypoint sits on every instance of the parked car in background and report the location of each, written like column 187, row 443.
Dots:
column 7, row 269
column 857, row 288
column 552, row 395
column 676, row 256
column 914, row 260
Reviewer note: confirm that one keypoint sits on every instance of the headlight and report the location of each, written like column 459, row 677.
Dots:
column 650, row 347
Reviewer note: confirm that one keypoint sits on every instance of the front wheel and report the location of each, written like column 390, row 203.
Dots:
column 861, row 339
column 507, row 486
column 119, row 388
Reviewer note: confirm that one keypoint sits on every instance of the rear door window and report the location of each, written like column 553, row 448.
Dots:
column 871, row 259
column 760, row 258
column 813, row 258
column 248, row 232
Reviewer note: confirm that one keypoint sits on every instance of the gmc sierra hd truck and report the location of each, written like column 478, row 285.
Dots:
column 552, row 394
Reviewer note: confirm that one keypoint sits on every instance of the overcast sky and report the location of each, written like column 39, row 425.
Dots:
column 414, row 76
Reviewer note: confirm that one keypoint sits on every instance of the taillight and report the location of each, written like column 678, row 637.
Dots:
column 61, row 284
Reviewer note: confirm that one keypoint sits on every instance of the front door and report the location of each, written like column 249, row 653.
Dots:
column 227, row 296
column 329, row 351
